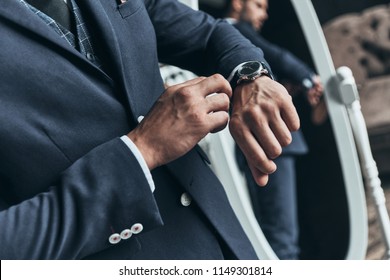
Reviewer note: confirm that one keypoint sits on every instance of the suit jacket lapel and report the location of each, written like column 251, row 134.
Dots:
column 93, row 12
column 15, row 12
column 104, row 33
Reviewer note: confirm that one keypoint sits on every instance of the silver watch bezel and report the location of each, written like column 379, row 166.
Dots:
column 258, row 71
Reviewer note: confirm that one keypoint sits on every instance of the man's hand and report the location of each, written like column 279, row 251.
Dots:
column 314, row 94
column 262, row 117
column 181, row 117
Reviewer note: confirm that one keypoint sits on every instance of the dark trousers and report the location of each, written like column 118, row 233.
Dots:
column 275, row 207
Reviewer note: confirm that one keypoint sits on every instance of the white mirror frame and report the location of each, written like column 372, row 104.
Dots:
column 341, row 127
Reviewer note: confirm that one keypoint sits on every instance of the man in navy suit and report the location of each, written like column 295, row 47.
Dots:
column 97, row 159
column 275, row 206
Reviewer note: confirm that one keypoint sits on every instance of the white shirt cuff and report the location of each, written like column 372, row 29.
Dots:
column 133, row 148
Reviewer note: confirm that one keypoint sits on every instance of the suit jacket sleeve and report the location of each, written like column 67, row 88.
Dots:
column 284, row 64
column 198, row 42
column 93, row 198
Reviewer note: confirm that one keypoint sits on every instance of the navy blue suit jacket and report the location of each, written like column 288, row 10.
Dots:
column 67, row 182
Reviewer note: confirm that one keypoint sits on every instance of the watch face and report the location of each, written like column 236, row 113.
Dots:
column 250, row 68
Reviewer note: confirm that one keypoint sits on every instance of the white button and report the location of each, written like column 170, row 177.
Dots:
column 126, row 234
column 114, row 238
column 140, row 118
column 137, row 228
column 185, row 199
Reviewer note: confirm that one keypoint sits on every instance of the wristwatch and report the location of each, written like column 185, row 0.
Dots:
column 249, row 71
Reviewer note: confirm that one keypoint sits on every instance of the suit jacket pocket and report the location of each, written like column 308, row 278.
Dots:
column 129, row 7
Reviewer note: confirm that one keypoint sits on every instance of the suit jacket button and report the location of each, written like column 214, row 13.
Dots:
column 90, row 56
column 126, row 234
column 185, row 199
column 114, row 238
column 137, row 228
column 140, row 118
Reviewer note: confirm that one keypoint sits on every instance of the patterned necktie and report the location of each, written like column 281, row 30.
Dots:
column 57, row 10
